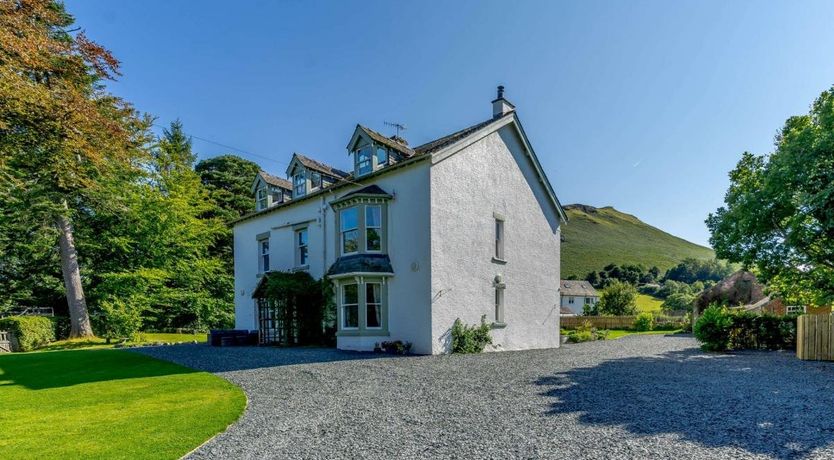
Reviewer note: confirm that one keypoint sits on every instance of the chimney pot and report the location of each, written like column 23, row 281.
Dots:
column 500, row 91
column 501, row 106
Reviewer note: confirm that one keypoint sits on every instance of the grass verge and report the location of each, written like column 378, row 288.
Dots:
column 143, row 338
column 108, row 404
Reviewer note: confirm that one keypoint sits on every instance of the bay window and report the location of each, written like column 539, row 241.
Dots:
column 363, row 306
column 350, row 306
column 373, row 228
column 373, row 305
column 349, row 227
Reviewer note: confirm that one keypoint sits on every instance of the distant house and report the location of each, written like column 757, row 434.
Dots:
column 576, row 294
column 775, row 306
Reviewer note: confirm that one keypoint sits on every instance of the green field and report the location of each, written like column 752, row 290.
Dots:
column 596, row 237
column 618, row 333
column 648, row 303
column 108, row 404
column 143, row 338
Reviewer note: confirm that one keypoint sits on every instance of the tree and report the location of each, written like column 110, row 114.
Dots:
column 691, row 270
column 779, row 209
column 65, row 141
column 618, row 299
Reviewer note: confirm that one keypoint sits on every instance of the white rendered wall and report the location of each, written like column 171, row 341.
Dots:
column 494, row 175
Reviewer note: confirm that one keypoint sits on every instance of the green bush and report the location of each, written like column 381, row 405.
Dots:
column 62, row 327
column 117, row 320
column 586, row 332
column 31, row 332
column 644, row 322
column 470, row 339
column 720, row 329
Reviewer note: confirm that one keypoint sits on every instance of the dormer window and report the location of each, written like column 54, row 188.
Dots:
column 381, row 157
column 315, row 180
column 261, row 196
column 299, row 182
column 364, row 160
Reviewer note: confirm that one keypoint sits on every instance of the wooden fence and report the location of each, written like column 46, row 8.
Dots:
column 5, row 342
column 815, row 337
column 614, row 322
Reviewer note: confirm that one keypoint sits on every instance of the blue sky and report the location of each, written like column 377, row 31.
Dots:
column 641, row 105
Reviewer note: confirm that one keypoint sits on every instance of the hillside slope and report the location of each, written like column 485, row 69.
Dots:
column 596, row 237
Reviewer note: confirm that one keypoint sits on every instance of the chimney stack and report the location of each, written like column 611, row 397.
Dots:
column 501, row 106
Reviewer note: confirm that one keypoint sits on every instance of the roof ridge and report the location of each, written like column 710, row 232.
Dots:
column 455, row 136
column 320, row 166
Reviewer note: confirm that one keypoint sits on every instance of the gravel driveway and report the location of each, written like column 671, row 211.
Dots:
column 636, row 397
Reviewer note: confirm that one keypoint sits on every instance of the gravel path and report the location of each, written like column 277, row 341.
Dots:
column 636, row 397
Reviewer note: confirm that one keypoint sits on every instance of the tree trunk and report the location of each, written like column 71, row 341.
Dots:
column 79, row 317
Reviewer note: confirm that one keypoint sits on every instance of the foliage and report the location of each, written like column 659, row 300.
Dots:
column 720, row 329
column 618, row 299
column 31, row 331
column 644, row 322
column 586, row 332
column 397, row 347
column 779, row 209
column 117, row 320
column 299, row 304
column 678, row 302
column 61, row 324
column 470, row 339
column 597, row 237
column 109, row 404
column 691, row 270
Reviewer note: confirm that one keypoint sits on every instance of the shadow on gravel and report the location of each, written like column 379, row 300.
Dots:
column 763, row 402
column 226, row 359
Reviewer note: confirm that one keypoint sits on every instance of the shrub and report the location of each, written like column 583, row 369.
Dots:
column 713, row 327
column 396, row 347
column 31, row 332
column 470, row 339
column 679, row 301
column 644, row 322
column 586, row 332
column 62, row 327
column 117, row 320
column 618, row 299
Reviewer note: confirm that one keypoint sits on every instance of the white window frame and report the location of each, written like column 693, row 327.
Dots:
column 261, row 196
column 378, row 228
column 342, row 230
column 263, row 256
column 378, row 304
column 343, row 307
column 358, row 162
column 792, row 309
column 299, row 181
column 299, row 246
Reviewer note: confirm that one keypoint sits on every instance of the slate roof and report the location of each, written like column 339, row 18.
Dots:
column 369, row 190
column 387, row 141
column 320, row 167
column 577, row 288
column 450, row 139
column 361, row 263
column 276, row 181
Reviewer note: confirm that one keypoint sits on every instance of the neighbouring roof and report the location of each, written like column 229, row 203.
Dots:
column 361, row 263
column 577, row 288
column 320, row 167
column 387, row 141
column 566, row 311
column 276, row 181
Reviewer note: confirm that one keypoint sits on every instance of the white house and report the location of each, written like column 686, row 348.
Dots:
column 464, row 226
column 576, row 294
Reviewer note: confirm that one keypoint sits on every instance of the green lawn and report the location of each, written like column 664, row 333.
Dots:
column 618, row 333
column 108, row 404
column 143, row 338
column 648, row 303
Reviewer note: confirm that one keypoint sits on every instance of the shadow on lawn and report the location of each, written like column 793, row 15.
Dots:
column 225, row 359
column 763, row 402
column 41, row 370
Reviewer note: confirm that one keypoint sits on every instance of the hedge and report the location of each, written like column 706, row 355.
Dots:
column 31, row 332
column 720, row 329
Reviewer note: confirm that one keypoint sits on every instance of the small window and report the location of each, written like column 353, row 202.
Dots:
column 373, row 305
column 373, row 228
column 499, row 239
column 363, row 160
column 315, row 180
column 381, row 157
column 299, row 184
column 499, row 304
column 261, row 197
column 570, row 299
column 263, row 248
column 301, row 247
column 349, row 219
column 350, row 306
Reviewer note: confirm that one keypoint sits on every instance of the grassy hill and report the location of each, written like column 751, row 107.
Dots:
column 596, row 237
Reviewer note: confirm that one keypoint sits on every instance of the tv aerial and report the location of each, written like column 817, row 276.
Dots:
column 397, row 126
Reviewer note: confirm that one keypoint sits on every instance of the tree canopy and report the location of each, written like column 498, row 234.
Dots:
column 779, row 210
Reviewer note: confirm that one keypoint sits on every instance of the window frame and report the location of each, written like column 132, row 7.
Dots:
column 500, row 238
column 343, row 231
column 379, row 228
column 302, row 183
column 261, row 195
column 357, row 162
column 379, row 304
column 299, row 246
column 343, row 307
column 263, row 256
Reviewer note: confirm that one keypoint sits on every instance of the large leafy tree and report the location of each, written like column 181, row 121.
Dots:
column 65, row 141
column 779, row 209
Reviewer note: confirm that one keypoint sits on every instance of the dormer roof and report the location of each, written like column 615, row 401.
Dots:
column 399, row 147
column 271, row 180
column 314, row 165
